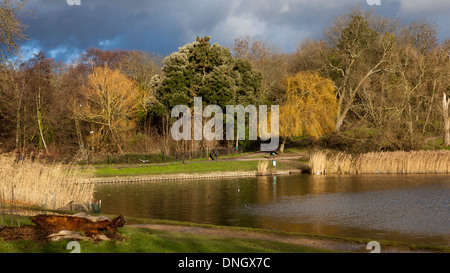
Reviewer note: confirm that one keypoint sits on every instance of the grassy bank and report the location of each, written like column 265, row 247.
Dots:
column 319, row 237
column 142, row 240
column 146, row 240
column 191, row 167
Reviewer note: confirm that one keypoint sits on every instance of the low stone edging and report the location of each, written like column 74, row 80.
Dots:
column 166, row 177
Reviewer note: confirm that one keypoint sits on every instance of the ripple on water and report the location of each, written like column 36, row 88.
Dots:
column 414, row 210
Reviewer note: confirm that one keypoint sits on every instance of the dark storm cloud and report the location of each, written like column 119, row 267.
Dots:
column 160, row 26
column 96, row 22
column 64, row 31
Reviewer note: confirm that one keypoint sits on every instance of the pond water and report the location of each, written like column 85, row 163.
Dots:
column 406, row 208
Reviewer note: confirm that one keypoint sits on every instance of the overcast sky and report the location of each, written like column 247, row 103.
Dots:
column 63, row 31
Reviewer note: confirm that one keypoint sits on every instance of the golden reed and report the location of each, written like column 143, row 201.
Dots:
column 34, row 184
column 263, row 167
column 399, row 162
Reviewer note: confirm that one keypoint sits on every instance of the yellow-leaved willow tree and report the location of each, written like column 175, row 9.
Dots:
column 109, row 105
column 310, row 107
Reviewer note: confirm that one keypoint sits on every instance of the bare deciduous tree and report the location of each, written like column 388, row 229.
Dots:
column 359, row 50
column 266, row 59
column 11, row 27
column 109, row 105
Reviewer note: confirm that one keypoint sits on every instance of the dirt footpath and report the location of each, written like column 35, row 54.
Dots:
column 321, row 243
column 34, row 233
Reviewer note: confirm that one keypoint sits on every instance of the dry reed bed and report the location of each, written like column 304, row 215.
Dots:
column 399, row 162
column 49, row 186
column 262, row 168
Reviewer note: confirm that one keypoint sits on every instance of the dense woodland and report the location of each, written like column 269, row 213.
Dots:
column 369, row 84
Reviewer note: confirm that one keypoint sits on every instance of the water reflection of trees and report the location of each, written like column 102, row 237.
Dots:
column 248, row 201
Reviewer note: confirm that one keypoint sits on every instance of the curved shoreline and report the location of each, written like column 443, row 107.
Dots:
column 325, row 242
column 185, row 176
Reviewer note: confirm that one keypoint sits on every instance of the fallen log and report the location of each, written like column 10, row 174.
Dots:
column 66, row 234
column 91, row 226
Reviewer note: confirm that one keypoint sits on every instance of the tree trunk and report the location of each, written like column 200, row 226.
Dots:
column 166, row 133
column 41, row 133
column 445, row 104
column 80, row 226
column 18, row 126
column 430, row 107
column 83, row 222
column 340, row 119
column 410, row 127
column 39, row 120
column 80, row 140
column 283, row 142
column 350, row 94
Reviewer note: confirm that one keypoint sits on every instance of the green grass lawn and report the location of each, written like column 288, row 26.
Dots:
column 191, row 167
column 141, row 240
